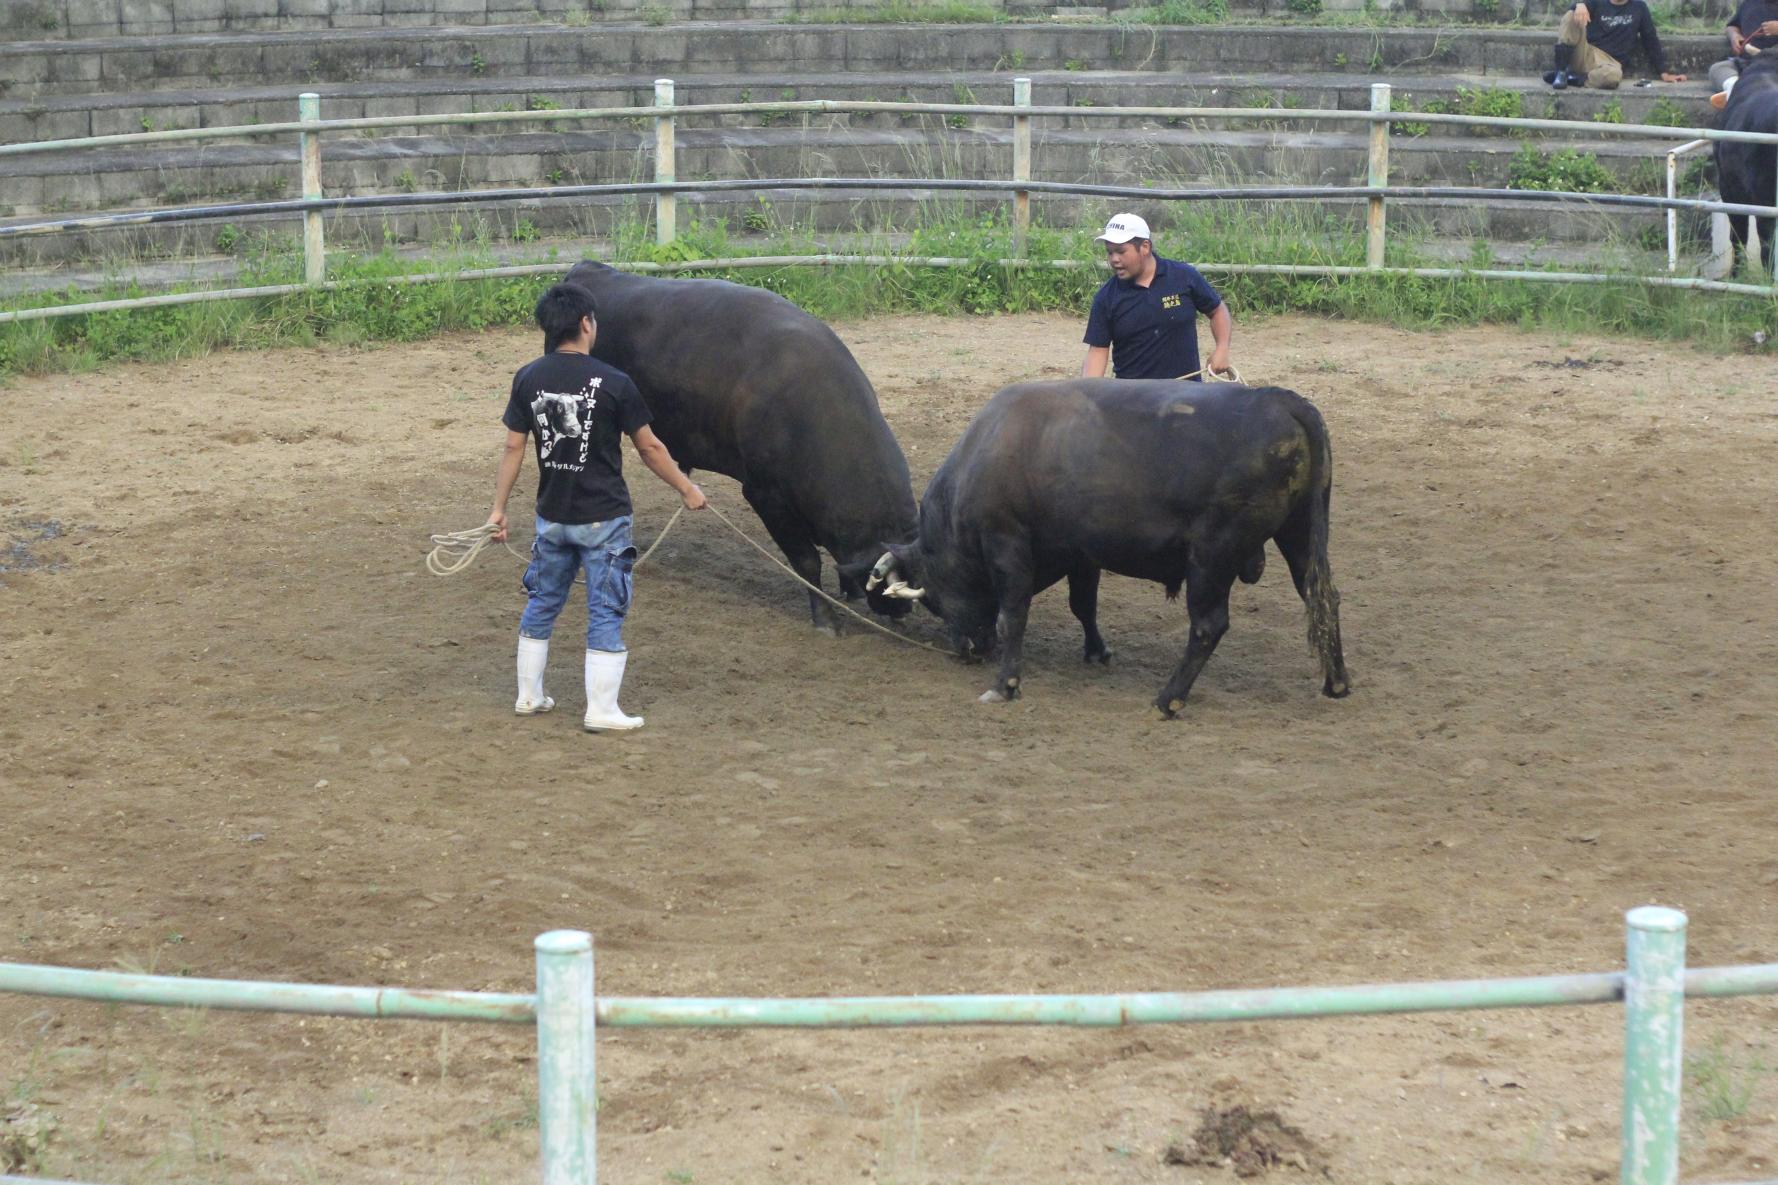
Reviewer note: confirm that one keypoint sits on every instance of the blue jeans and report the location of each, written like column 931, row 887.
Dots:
column 604, row 551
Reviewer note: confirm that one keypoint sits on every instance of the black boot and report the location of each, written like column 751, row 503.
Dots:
column 1564, row 59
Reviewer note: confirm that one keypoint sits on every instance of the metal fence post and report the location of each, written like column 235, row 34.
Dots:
column 1672, row 214
column 666, row 205
column 308, row 110
column 1021, row 165
column 567, row 1094
column 1654, row 1044
column 1378, row 176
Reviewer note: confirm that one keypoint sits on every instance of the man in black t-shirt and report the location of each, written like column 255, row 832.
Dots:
column 1594, row 41
column 576, row 408
column 1144, row 320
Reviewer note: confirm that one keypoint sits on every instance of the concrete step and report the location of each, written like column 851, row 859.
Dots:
column 147, row 178
column 818, row 222
column 29, row 20
column 37, row 70
column 75, row 19
column 198, row 269
column 74, row 116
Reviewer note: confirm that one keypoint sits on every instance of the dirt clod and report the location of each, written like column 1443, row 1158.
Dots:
column 25, row 1132
column 1250, row 1142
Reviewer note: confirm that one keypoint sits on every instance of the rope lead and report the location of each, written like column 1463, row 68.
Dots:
column 453, row 551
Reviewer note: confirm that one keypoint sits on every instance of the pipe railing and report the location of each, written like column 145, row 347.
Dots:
column 567, row 1012
column 665, row 187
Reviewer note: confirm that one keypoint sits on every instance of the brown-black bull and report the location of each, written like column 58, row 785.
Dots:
column 743, row 382
column 1179, row 483
column 1748, row 173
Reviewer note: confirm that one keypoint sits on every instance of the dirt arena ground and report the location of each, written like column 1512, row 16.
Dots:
column 246, row 735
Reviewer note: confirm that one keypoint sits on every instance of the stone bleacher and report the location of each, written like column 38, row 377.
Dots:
column 61, row 85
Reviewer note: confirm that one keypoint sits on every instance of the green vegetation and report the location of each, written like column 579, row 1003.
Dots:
column 1611, row 112
column 1721, row 1083
column 910, row 12
column 374, row 308
column 1668, row 114
column 1492, row 101
column 1185, row 12
column 1565, row 170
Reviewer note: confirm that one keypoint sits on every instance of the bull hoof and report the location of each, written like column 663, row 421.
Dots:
column 1169, row 708
column 1102, row 656
column 996, row 695
column 1339, row 689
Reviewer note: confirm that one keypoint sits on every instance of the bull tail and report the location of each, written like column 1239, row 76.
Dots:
column 1304, row 544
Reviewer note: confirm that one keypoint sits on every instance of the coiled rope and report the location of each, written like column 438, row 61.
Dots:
column 453, row 551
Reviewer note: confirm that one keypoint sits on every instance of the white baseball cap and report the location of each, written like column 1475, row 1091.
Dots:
column 1122, row 228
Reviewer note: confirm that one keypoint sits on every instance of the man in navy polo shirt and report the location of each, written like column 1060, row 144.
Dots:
column 1144, row 320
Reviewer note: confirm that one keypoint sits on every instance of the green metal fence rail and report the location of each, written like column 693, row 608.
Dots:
column 1376, row 192
column 567, row 1013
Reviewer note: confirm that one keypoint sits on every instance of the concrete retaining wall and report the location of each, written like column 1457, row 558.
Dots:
column 823, row 214
column 39, row 19
column 69, row 116
column 22, row 20
column 123, row 179
column 46, row 68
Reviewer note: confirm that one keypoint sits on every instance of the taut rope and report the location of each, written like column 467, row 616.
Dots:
column 453, row 551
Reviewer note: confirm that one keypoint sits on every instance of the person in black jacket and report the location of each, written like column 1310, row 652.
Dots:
column 1753, row 29
column 1594, row 43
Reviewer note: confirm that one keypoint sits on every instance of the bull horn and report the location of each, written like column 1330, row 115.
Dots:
column 900, row 591
column 880, row 573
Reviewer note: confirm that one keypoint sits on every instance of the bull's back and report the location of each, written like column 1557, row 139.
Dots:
column 743, row 382
column 1111, row 440
column 724, row 362
column 1125, row 474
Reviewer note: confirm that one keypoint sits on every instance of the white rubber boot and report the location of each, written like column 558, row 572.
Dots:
column 533, row 658
column 604, row 675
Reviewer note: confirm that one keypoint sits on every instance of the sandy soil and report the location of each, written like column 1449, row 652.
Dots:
column 245, row 734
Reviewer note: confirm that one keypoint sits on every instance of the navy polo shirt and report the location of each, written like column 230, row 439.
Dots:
column 1152, row 331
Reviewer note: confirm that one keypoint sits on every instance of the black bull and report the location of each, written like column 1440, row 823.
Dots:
column 1748, row 173
column 742, row 382
column 1179, row 483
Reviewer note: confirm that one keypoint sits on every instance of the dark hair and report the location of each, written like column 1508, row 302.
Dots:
column 559, row 311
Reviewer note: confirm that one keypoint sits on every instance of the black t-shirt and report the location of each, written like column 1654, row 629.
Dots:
column 1617, row 28
column 577, row 408
column 1152, row 331
column 1751, row 15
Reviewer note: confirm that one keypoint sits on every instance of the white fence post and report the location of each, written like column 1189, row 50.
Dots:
column 1021, row 165
column 1672, row 214
column 1654, row 1044
column 666, row 205
column 308, row 110
column 567, row 1092
column 1378, row 176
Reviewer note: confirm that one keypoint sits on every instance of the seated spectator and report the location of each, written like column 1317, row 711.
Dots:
column 1753, row 28
column 1594, row 43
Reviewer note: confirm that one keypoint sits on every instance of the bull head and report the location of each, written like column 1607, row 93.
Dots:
column 887, row 577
